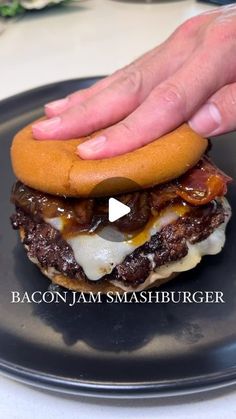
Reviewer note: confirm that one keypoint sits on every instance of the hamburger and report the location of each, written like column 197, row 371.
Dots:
column 176, row 195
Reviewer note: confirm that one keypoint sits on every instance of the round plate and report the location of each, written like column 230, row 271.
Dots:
column 120, row 350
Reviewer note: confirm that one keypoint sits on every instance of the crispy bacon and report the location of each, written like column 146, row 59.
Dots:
column 202, row 184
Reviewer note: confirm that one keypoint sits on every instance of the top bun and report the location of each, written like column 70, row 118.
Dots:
column 53, row 167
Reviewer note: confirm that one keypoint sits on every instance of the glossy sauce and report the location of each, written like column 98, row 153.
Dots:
column 197, row 187
column 143, row 236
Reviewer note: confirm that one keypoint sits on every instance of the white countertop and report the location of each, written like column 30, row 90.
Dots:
column 18, row 401
column 93, row 37
column 90, row 37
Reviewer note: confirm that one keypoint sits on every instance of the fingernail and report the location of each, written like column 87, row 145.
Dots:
column 207, row 120
column 47, row 126
column 91, row 146
column 57, row 105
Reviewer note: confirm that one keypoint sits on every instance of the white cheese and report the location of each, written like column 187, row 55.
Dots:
column 212, row 245
column 99, row 257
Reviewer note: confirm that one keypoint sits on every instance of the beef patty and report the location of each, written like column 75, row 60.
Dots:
column 47, row 245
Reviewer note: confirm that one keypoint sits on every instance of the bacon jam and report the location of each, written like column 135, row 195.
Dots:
column 197, row 187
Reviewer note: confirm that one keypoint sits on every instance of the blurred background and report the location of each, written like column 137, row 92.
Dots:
column 41, row 43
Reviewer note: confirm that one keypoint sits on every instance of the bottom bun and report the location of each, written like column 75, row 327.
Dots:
column 81, row 285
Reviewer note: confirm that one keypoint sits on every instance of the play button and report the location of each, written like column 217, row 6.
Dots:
column 117, row 210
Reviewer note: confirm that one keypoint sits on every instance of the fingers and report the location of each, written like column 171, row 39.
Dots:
column 218, row 115
column 103, row 109
column 177, row 47
column 58, row 106
column 114, row 102
column 55, row 108
column 168, row 105
column 129, row 98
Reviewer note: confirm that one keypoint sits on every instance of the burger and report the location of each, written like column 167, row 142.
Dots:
column 178, row 210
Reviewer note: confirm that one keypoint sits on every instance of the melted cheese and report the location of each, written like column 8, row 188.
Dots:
column 98, row 256
column 156, row 223
column 212, row 245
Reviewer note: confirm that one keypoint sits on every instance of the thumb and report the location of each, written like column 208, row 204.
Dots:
column 218, row 115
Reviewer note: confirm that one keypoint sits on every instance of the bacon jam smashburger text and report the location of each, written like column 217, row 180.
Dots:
column 178, row 214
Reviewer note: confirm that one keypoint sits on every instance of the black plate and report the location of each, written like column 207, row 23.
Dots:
column 113, row 349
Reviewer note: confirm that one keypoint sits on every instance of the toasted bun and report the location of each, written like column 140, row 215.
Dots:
column 103, row 287
column 53, row 166
column 81, row 285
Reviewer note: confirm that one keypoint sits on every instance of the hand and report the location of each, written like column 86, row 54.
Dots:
column 190, row 77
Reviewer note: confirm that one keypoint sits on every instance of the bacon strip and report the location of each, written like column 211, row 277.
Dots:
column 202, row 184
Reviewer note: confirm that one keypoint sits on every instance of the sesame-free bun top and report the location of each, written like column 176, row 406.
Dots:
column 53, row 166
